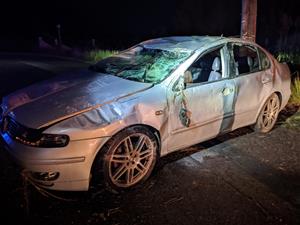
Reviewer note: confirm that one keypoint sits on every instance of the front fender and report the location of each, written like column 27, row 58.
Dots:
column 105, row 121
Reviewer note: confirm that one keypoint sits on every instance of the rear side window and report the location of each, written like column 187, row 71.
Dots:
column 246, row 59
column 264, row 60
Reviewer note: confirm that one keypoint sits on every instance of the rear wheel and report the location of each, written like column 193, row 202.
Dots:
column 128, row 158
column 268, row 115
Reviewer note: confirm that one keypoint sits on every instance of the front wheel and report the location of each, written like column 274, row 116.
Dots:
column 268, row 115
column 128, row 158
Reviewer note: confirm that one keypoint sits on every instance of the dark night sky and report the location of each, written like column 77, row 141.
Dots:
column 118, row 24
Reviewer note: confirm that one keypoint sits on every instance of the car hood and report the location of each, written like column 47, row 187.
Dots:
column 50, row 101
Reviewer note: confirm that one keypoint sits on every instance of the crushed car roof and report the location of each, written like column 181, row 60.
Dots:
column 190, row 43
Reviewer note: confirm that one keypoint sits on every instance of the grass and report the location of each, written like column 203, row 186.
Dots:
column 96, row 55
column 293, row 122
column 293, row 58
column 295, row 88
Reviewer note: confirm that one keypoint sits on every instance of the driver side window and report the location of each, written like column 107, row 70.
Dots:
column 207, row 68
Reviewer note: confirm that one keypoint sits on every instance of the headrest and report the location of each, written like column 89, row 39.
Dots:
column 250, row 61
column 216, row 66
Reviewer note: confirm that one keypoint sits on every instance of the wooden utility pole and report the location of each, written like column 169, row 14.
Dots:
column 248, row 23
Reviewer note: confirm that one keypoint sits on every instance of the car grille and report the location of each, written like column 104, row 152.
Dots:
column 18, row 131
column 14, row 129
column 2, row 125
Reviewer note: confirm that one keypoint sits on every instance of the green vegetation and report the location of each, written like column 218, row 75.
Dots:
column 96, row 55
column 293, row 58
column 295, row 88
column 293, row 122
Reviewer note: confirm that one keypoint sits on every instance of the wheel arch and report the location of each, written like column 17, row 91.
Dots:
column 278, row 93
column 149, row 127
column 152, row 129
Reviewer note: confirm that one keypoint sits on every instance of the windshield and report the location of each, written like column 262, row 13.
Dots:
column 142, row 64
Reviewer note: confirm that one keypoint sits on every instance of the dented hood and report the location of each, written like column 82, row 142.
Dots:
column 64, row 96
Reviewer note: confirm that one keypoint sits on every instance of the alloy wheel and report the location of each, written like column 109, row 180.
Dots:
column 131, row 159
column 270, row 113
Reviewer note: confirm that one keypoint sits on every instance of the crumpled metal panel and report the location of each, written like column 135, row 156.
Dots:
column 191, row 43
column 64, row 97
column 115, row 116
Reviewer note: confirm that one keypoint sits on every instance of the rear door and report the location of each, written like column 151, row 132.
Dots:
column 253, row 81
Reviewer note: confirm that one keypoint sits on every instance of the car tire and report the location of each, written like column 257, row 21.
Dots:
column 268, row 114
column 127, row 159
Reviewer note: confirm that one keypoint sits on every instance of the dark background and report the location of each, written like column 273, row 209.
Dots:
column 119, row 24
column 249, row 178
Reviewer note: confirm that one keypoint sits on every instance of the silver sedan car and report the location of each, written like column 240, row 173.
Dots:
column 112, row 121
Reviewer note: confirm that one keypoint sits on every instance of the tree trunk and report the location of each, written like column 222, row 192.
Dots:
column 248, row 23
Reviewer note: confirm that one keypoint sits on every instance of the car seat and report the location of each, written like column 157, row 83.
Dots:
column 216, row 67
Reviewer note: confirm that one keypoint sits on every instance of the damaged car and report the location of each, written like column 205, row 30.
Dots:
column 111, row 122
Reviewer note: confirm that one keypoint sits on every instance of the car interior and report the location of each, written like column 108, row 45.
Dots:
column 246, row 60
column 207, row 68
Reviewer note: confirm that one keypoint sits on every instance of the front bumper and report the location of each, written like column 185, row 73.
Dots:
column 72, row 163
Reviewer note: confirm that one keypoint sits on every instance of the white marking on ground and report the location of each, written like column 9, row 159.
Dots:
column 199, row 156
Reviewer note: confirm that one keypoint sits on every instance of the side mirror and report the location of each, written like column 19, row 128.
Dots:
column 182, row 81
column 188, row 78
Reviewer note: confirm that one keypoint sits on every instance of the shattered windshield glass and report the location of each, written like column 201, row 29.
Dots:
column 142, row 64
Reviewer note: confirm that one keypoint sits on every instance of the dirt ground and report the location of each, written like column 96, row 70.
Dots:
column 242, row 177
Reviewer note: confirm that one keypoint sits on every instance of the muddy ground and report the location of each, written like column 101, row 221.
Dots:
column 239, row 178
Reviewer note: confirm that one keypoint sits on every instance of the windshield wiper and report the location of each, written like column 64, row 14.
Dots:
column 92, row 67
column 96, row 68
column 100, row 69
column 134, row 79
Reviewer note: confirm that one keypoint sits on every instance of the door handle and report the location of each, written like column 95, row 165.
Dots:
column 227, row 91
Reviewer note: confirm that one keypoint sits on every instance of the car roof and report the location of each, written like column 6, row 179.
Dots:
column 190, row 43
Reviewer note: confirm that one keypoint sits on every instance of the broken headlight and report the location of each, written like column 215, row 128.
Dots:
column 33, row 137
column 53, row 140
column 47, row 141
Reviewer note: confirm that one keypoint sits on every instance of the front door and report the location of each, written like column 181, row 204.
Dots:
column 204, row 107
